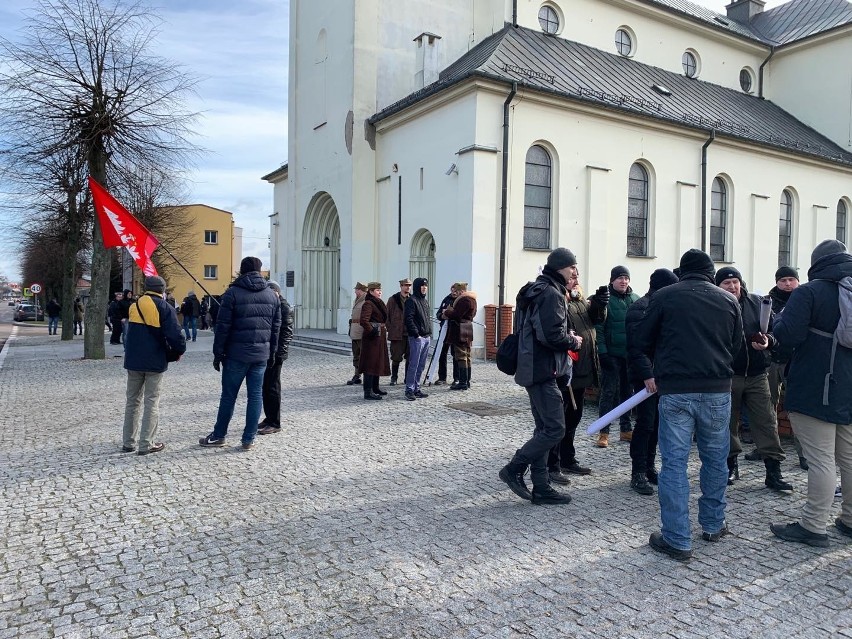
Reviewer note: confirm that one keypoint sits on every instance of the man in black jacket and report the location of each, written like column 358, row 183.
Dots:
column 418, row 327
column 244, row 344
column 272, row 376
column 750, row 386
column 691, row 331
column 818, row 398
column 640, row 371
column 447, row 347
column 543, row 345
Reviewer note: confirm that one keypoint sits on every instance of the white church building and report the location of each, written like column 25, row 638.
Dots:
column 464, row 140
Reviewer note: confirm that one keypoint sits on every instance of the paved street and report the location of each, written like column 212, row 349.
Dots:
column 361, row 520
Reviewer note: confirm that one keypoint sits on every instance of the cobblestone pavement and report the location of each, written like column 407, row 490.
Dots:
column 361, row 519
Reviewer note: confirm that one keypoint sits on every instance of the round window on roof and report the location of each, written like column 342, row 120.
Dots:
column 624, row 42
column 548, row 19
column 746, row 80
column 689, row 60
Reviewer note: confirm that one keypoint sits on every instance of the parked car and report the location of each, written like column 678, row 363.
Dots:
column 11, row 302
column 28, row 312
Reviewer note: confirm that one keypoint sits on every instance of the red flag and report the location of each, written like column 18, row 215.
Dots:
column 120, row 228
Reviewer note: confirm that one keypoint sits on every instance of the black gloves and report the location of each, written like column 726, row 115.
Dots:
column 602, row 296
column 217, row 363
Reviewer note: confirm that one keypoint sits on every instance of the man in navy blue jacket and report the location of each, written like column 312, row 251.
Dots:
column 818, row 399
column 244, row 343
column 152, row 324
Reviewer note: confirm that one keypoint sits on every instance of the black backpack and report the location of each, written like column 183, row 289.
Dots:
column 507, row 354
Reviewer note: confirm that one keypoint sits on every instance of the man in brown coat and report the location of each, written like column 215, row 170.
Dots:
column 356, row 332
column 460, row 331
column 397, row 334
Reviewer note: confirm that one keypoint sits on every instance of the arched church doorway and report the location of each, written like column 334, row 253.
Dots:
column 422, row 262
column 320, row 265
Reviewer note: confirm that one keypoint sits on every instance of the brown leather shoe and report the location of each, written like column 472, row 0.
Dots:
column 625, row 436
column 156, row 448
column 603, row 441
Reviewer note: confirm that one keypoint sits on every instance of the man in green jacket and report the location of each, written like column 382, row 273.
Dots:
column 612, row 352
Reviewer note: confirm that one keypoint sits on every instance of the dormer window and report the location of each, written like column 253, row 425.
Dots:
column 746, row 80
column 548, row 19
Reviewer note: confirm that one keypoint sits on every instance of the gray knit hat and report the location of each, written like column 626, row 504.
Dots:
column 155, row 283
column 827, row 247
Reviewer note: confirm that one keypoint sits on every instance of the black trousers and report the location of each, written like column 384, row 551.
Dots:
column 442, row 363
column 564, row 454
column 272, row 396
column 615, row 388
column 115, row 338
column 546, row 404
column 643, row 446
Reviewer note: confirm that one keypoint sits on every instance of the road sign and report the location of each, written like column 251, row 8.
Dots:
column 35, row 288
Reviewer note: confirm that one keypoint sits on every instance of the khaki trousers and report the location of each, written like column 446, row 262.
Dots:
column 141, row 387
column 825, row 446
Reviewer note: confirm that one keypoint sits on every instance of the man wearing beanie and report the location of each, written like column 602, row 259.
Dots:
column 152, row 328
column 750, row 386
column 786, row 279
column 640, row 370
column 691, row 331
column 543, row 345
column 612, row 352
column 244, row 344
column 818, row 398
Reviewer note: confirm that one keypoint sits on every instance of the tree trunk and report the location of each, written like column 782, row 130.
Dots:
column 69, row 267
column 93, row 335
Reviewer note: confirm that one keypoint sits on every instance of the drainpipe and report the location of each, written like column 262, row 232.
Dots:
column 515, row 13
column 760, row 72
column 504, row 205
column 704, row 189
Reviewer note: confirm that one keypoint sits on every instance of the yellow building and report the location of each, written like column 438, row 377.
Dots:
column 216, row 246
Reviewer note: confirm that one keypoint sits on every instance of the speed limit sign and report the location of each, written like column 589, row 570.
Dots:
column 35, row 288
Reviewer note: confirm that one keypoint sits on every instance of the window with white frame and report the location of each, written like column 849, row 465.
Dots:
column 719, row 221
column 211, row 237
column 841, row 221
column 785, row 229
column 211, row 271
column 537, row 198
column 548, row 19
column 689, row 61
column 637, row 211
column 623, row 42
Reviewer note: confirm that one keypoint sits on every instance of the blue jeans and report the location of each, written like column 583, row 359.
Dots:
column 233, row 374
column 418, row 353
column 707, row 414
column 193, row 323
column 52, row 324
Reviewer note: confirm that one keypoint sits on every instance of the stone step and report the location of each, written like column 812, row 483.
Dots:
column 324, row 345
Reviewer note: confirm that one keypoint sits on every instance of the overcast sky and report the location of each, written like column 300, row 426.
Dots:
column 239, row 49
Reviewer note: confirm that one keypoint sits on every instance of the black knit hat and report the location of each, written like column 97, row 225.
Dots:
column 618, row 271
column 661, row 278
column 155, row 283
column 697, row 261
column 250, row 264
column 561, row 258
column 726, row 273
column 786, row 271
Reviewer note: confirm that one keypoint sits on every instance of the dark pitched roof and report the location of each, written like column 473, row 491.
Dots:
column 801, row 19
column 708, row 17
column 549, row 64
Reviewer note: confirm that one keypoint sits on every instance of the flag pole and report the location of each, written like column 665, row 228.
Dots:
column 177, row 261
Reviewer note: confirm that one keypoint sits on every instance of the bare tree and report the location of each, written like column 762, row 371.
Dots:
column 84, row 78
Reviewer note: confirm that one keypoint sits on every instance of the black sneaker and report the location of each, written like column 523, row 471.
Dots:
column 640, row 484
column 716, row 536
column 843, row 528
column 661, row 545
column 803, row 463
column 420, row 394
column 547, row 495
column 795, row 532
column 128, row 449
column 652, row 476
column 268, row 429
column 410, row 396
column 576, row 469
column 209, row 442
column 515, row 480
column 558, row 477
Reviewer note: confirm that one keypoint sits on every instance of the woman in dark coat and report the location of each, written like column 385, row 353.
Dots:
column 374, row 344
